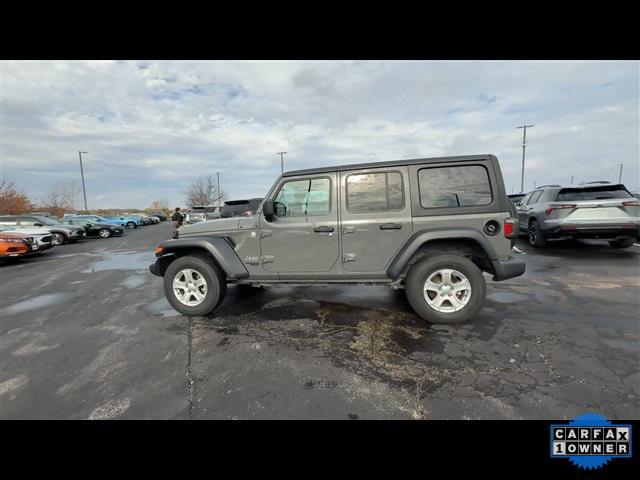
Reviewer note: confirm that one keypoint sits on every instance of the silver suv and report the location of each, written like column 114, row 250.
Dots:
column 591, row 210
column 430, row 226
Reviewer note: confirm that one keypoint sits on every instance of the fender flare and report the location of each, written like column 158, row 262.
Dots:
column 218, row 247
column 412, row 245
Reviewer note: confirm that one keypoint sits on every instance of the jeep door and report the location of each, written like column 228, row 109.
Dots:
column 303, row 234
column 375, row 217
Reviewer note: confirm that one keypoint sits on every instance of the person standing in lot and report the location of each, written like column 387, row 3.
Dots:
column 177, row 218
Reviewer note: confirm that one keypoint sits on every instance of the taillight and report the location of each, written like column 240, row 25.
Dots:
column 632, row 203
column 509, row 227
column 558, row 207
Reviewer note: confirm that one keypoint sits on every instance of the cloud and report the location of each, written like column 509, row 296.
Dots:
column 151, row 127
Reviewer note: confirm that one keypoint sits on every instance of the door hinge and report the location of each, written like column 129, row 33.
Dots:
column 349, row 257
column 266, row 259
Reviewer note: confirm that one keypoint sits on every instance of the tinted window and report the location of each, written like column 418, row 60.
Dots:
column 375, row 192
column 300, row 198
column 463, row 186
column 593, row 193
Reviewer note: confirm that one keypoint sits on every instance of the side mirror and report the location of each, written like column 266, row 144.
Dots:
column 267, row 210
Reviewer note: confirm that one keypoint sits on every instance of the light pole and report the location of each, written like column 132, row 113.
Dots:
column 218, row 175
column 620, row 174
column 84, row 193
column 282, row 154
column 524, row 144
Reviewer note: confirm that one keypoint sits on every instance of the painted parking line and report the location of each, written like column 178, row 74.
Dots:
column 637, row 244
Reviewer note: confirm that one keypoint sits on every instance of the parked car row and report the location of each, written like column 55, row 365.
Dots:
column 231, row 208
column 592, row 210
column 31, row 234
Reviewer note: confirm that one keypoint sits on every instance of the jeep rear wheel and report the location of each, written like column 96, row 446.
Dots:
column 446, row 289
column 194, row 285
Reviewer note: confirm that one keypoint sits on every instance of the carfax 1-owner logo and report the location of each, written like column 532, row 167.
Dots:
column 590, row 441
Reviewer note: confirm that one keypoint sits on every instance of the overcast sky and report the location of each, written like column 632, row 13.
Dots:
column 150, row 127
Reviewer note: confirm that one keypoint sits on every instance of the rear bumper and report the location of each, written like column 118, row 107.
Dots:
column 592, row 231
column 507, row 268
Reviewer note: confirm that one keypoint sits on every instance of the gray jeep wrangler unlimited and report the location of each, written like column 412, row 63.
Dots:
column 431, row 226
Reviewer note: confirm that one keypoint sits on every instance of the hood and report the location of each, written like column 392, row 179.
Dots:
column 210, row 226
column 29, row 231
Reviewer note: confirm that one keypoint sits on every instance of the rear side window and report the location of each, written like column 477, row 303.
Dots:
column 463, row 186
column 375, row 192
column 535, row 197
column 593, row 193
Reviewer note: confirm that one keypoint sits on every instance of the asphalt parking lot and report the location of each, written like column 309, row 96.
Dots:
column 85, row 333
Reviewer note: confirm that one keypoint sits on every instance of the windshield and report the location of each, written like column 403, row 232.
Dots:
column 46, row 221
column 593, row 193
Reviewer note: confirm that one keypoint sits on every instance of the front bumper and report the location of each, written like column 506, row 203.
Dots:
column 507, row 268
column 160, row 265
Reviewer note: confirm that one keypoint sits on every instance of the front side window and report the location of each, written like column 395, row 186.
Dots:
column 300, row 198
column 375, row 192
column 463, row 186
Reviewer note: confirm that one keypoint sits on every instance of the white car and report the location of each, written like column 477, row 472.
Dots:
column 43, row 238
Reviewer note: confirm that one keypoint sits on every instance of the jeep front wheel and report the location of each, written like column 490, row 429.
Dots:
column 194, row 285
column 446, row 289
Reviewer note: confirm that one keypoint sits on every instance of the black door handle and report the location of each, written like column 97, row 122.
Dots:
column 390, row 226
column 323, row 229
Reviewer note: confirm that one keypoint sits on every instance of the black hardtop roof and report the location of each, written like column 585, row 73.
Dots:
column 393, row 163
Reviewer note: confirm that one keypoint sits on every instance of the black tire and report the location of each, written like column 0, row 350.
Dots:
column 104, row 233
column 535, row 237
column 131, row 225
column 213, row 275
column 422, row 270
column 622, row 242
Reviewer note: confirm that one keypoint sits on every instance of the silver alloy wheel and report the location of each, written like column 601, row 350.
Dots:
column 189, row 287
column 447, row 290
column 58, row 239
column 104, row 233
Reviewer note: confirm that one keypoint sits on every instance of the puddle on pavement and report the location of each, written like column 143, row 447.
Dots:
column 161, row 307
column 506, row 297
column 134, row 281
column 38, row 302
column 125, row 260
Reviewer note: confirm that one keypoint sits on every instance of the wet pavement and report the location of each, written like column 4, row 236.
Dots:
column 85, row 332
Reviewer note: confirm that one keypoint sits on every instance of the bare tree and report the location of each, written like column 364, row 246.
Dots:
column 12, row 200
column 160, row 205
column 203, row 191
column 62, row 197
